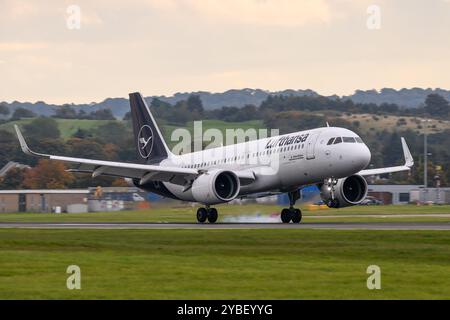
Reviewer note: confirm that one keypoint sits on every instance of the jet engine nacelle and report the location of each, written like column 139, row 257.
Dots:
column 348, row 191
column 216, row 186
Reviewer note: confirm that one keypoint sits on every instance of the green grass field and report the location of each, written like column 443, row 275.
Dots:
column 223, row 264
column 66, row 127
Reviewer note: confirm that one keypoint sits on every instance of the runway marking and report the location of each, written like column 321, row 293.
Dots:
column 393, row 215
column 225, row 226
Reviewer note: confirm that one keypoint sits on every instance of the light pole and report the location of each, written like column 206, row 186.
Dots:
column 425, row 157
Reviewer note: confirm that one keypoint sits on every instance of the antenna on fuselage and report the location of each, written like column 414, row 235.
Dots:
column 328, row 125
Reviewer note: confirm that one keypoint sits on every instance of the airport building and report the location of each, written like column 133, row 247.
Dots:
column 392, row 193
column 431, row 195
column 12, row 165
column 73, row 200
column 404, row 194
column 387, row 193
column 40, row 200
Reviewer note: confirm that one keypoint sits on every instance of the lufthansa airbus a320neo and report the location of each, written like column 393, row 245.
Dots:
column 332, row 158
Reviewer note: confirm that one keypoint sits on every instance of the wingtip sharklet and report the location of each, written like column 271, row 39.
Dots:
column 409, row 161
column 23, row 144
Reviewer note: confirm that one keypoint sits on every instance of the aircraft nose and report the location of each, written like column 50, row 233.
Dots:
column 363, row 156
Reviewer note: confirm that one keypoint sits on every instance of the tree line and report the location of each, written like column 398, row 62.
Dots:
column 63, row 112
column 111, row 141
column 114, row 140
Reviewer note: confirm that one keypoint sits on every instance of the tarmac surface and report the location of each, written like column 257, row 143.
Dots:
column 307, row 225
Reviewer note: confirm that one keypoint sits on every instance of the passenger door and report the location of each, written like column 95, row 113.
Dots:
column 311, row 146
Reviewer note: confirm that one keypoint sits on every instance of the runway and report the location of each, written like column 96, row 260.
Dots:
column 242, row 226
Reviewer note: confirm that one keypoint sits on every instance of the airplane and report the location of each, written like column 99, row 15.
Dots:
column 332, row 158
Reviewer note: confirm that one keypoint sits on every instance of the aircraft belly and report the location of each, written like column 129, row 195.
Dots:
column 263, row 183
column 302, row 172
column 179, row 191
column 292, row 173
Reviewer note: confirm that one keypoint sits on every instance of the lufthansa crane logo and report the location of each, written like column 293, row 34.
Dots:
column 145, row 141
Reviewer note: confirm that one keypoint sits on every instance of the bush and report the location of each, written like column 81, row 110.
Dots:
column 20, row 113
column 42, row 128
column 401, row 122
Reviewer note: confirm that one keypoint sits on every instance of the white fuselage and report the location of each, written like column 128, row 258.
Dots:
column 282, row 163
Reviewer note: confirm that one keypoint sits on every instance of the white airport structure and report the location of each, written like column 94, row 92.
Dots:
column 431, row 195
column 392, row 193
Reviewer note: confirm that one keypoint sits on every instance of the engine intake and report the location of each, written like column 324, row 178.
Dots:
column 214, row 187
column 348, row 191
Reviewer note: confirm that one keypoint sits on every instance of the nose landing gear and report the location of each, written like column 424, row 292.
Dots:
column 333, row 202
column 291, row 213
column 207, row 213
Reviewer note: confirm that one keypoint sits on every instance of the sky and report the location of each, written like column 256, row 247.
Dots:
column 84, row 51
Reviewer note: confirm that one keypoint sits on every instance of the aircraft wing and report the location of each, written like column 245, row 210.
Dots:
column 409, row 162
column 144, row 172
column 119, row 169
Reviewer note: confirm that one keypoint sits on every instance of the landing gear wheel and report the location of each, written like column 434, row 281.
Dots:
column 286, row 215
column 212, row 215
column 333, row 203
column 202, row 215
column 297, row 216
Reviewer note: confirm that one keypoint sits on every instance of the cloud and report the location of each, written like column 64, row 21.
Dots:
column 26, row 12
column 287, row 13
column 165, row 46
column 19, row 9
column 91, row 18
column 21, row 46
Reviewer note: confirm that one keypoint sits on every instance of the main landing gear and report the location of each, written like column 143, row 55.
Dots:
column 207, row 213
column 291, row 213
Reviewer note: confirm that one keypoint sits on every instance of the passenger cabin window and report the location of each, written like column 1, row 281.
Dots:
column 338, row 140
column 330, row 141
column 349, row 140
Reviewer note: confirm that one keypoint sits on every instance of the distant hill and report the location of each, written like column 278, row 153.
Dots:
column 407, row 98
column 410, row 98
column 236, row 98
column 120, row 106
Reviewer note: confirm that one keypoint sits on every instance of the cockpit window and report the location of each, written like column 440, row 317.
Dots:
column 330, row 141
column 359, row 140
column 349, row 140
column 338, row 140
